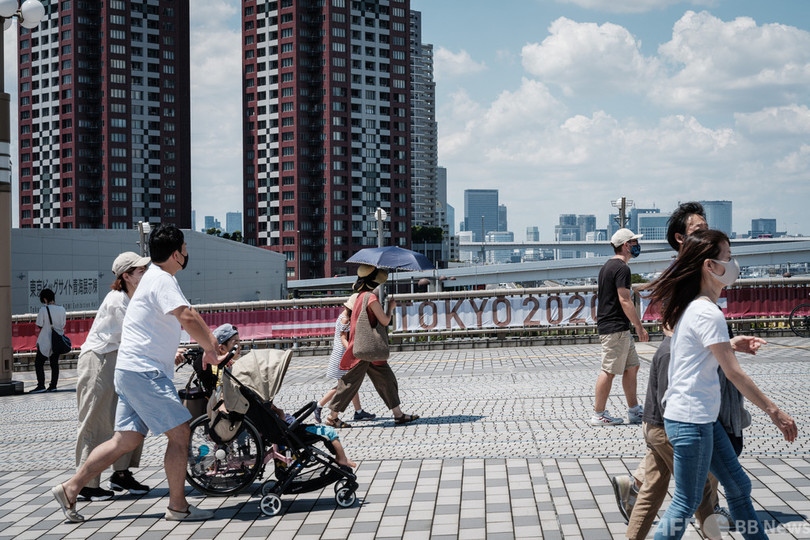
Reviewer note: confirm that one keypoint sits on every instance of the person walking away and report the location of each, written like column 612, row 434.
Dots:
column 95, row 385
column 688, row 292
column 333, row 371
column 614, row 314
column 54, row 317
column 144, row 371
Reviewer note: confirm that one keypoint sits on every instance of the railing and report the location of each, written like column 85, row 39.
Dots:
column 537, row 315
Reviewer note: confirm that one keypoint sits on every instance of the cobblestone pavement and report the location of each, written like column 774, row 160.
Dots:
column 503, row 450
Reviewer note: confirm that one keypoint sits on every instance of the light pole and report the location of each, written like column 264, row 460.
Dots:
column 622, row 205
column 29, row 15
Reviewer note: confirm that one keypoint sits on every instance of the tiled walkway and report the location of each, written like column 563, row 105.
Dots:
column 503, row 451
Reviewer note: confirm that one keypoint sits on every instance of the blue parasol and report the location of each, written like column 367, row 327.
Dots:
column 392, row 257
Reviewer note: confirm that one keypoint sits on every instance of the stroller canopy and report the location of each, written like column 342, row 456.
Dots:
column 261, row 370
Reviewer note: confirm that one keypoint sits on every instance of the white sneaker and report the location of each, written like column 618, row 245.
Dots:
column 605, row 420
column 635, row 415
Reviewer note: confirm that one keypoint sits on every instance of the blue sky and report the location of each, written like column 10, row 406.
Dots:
column 564, row 105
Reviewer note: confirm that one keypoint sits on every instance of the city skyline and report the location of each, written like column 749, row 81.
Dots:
column 724, row 141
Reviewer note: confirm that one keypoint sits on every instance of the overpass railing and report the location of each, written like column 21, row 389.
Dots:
column 760, row 305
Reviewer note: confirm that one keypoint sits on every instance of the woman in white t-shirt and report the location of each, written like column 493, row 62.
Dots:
column 688, row 291
column 95, row 386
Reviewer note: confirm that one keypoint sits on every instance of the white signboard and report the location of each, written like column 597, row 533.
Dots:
column 76, row 291
column 496, row 312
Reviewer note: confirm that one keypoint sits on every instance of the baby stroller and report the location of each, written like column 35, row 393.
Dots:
column 255, row 435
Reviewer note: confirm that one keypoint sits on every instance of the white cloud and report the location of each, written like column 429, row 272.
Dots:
column 789, row 121
column 589, row 58
column 632, row 6
column 449, row 64
column 735, row 65
column 557, row 161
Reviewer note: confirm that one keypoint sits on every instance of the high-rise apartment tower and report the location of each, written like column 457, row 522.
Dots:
column 326, row 105
column 104, row 115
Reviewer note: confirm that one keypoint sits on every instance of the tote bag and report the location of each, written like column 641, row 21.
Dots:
column 370, row 344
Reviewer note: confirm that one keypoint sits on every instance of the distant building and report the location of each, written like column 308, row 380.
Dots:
column 499, row 256
column 586, row 224
column 612, row 224
column 233, row 222
column 193, row 220
column 502, row 221
column 653, row 226
column 718, row 215
column 480, row 212
column 635, row 213
column 451, row 220
column 763, row 227
column 532, row 234
column 212, row 223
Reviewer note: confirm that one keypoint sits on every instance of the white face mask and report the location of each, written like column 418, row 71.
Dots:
column 732, row 271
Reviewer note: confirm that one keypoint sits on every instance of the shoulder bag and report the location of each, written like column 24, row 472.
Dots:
column 60, row 344
column 370, row 343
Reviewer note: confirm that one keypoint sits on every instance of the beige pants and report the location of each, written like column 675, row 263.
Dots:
column 654, row 473
column 95, row 393
column 383, row 378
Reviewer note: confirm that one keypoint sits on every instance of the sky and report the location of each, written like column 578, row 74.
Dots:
column 566, row 105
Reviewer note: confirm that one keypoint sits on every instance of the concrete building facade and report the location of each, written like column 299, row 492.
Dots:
column 76, row 265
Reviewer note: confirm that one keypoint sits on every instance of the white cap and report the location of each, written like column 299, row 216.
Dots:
column 127, row 261
column 623, row 235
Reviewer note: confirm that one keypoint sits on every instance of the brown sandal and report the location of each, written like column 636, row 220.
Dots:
column 405, row 418
column 337, row 423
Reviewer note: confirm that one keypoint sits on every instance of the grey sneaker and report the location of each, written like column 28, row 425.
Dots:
column 623, row 488
column 605, row 420
column 635, row 415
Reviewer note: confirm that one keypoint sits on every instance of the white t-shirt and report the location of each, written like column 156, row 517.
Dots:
column 59, row 317
column 105, row 334
column 151, row 333
column 694, row 387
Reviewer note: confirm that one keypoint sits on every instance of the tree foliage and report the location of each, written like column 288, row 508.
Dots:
column 431, row 235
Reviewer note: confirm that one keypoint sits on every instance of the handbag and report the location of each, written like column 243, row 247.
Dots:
column 370, row 343
column 60, row 344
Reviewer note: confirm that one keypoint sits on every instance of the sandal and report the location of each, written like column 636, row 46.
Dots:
column 337, row 423
column 405, row 418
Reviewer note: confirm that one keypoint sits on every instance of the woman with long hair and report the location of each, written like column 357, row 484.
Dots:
column 688, row 292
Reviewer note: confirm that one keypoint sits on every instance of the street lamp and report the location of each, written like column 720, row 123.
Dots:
column 29, row 14
column 622, row 205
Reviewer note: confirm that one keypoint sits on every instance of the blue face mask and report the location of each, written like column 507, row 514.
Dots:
column 635, row 250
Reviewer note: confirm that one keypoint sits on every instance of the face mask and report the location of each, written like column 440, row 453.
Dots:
column 732, row 271
column 635, row 250
column 185, row 263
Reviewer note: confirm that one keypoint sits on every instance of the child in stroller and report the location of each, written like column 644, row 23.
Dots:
column 244, row 432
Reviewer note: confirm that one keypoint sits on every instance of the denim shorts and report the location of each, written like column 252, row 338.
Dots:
column 147, row 401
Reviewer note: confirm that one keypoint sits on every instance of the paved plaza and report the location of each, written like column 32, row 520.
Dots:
column 503, row 450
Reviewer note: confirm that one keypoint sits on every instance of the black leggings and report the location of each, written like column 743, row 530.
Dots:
column 39, row 366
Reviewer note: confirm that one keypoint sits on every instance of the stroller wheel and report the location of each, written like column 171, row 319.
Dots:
column 340, row 484
column 345, row 497
column 268, row 487
column 270, row 505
